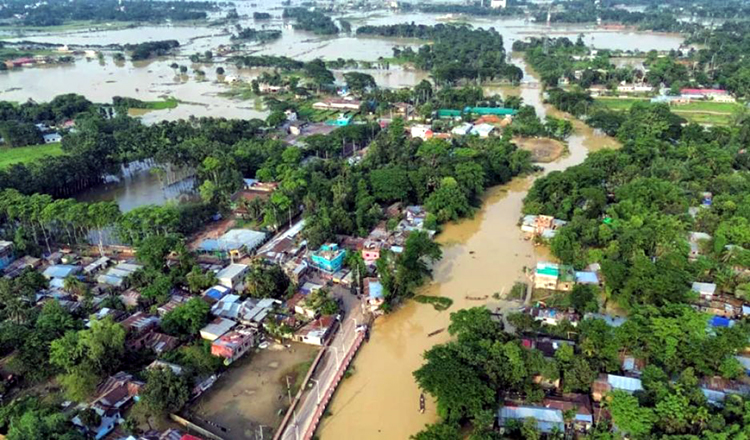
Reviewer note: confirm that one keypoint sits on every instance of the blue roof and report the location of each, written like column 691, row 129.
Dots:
column 719, row 321
column 376, row 290
column 587, row 278
column 216, row 292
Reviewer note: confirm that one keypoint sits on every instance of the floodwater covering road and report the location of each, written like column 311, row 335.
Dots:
column 481, row 256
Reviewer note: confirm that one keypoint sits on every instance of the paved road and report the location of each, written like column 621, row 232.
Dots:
column 324, row 376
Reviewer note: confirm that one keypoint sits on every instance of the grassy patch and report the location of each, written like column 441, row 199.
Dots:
column 296, row 375
column 10, row 156
column 440, row 303
column 706, row 118
column 619, row 104
column 700, row 112
column 518, row 291
column 162, row 105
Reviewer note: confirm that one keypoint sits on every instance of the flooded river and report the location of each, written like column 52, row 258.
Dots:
column 481, row 256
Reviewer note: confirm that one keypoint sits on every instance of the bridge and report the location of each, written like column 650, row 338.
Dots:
column 329, row 368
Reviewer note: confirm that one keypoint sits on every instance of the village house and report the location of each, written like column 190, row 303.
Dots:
column 548, row 346
column 721, row 305
column 114, row 396
column 337, row 104
column 117, row 275
column 253, row 312
column 174, row 302
column 482, row 130
column 553, row 317
column 371, row 251
column 374, row 294
column 551, row 276
column 610, row 320
column 130, row 298
column 579, row 405
column 462, row 129
column 235, row 243
column 704, row 290
column 316, row 332
column 17, row 266
column 216, row 293
column 52, row 138
column 547, row 419
column 696, row 241
column 96, row 265
column 216, row 328
column 717, row 95
column 232, row 345
column 329, row 258
column 159, row 343
column 233, row 276
column 264, row 88
column 543, row 226
column 299, row 305
column 631, row 365
column 6, row 254
column 609, row 382
column 257, row 185
column 716, row 389
column 421, row 131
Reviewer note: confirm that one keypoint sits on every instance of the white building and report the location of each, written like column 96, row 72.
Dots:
column 233, row 276
column 499, row 4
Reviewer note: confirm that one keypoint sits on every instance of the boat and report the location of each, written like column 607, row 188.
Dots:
column 435, row 332
column 421, row 403
column 477, row 298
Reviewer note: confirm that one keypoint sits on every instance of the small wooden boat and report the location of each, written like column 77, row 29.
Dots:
column 477, row 298
column 421, row 403
column 436, row 332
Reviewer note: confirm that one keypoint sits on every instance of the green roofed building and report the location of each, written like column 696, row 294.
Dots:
column 499, row 111
column 447, row 113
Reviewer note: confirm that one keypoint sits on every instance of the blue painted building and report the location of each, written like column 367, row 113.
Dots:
column 6, row 254
column 329, row 258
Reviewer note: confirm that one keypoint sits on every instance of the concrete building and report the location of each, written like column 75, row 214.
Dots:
column 233, row 276
column 232, row 345
column 329, row 258
column 216, row 329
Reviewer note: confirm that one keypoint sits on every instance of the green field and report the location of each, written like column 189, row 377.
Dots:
column 162, row 105
column 701, row 112
column 10, row 156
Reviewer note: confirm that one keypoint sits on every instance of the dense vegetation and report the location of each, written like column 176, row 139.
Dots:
column 58, row 12
column 250, row 34
column 314, row 21
column 458, row 53
column 144, row 51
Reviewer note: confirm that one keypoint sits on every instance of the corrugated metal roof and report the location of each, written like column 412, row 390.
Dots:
column 629, row 384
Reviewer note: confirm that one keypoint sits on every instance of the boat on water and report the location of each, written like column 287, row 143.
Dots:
column 421, row 403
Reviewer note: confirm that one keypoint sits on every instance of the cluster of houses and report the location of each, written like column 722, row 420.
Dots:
column 576, row 414
column 561, row 277
column 491, row 121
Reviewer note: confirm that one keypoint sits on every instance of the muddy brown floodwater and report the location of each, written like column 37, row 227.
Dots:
column 481, row 256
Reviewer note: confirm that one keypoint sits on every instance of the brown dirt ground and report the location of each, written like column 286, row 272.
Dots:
column 542, row 149
column 251, row 393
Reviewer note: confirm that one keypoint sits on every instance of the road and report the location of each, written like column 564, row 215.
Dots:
column 324, row 378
